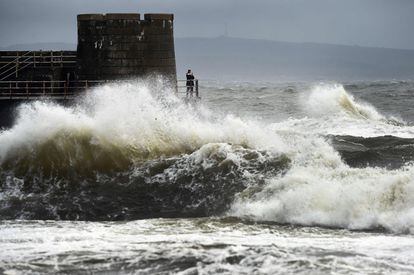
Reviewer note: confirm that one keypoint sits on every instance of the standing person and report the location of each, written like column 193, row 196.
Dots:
column 190, row 83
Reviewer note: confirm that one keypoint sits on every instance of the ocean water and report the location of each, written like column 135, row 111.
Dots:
column 256, row 178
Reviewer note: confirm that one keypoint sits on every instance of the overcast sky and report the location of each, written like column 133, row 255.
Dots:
column 379, row 23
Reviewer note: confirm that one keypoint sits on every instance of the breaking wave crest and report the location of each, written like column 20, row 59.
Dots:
column 191, row 185
column 331, row 110
column 115, row 126
column 339, row 196
column 335, row 100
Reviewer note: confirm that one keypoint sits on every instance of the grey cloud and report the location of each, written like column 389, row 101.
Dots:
column 381, row 23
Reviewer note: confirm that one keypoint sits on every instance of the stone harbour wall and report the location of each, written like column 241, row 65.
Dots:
column 122, row 46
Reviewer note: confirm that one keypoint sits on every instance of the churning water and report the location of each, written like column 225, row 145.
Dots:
column 258, row 178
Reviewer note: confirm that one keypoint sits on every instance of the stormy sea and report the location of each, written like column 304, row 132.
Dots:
column 256, row 178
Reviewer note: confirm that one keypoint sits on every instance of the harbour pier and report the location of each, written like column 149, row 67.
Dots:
column 111, row 47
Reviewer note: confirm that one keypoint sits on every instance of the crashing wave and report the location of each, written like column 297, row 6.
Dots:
column 117, row 125
column 335, row 100
column 134, row 150
column 343, row 197
column 199, row 184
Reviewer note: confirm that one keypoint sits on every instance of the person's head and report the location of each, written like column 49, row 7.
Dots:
column 189, row 71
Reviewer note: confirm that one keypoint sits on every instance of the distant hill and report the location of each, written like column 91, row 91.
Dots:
column 250, row 59
column 55, row 46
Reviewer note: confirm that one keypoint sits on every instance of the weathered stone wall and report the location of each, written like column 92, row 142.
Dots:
column 120, row 46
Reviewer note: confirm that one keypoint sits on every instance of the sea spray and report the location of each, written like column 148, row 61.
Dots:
column 333, row 99
column 328, row 109
column 133, row 120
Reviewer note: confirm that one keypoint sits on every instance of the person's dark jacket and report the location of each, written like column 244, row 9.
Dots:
column 190, row 79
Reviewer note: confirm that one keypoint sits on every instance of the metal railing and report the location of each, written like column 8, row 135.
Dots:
column 11, row 65
column 69, row 89
column 34, row 58
column 191, row 90
column 13, row 61
column 38, row 89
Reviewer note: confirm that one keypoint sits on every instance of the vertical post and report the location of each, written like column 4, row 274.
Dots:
column 10, row 90
column 196, row 86
column 44, row 91
column 27, row 90
column 61, row 58
column 34, row 59
column 51, row 58
column 86, row 84
column 17, row 63
column 65, row 89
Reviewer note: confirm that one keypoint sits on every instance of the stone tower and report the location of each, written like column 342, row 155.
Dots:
column 122, row 46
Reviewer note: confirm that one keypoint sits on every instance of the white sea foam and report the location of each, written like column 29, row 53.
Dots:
column 335, row 100
column 331, row 110
column 190, row 246
column 319, row 189
column 143, row 117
